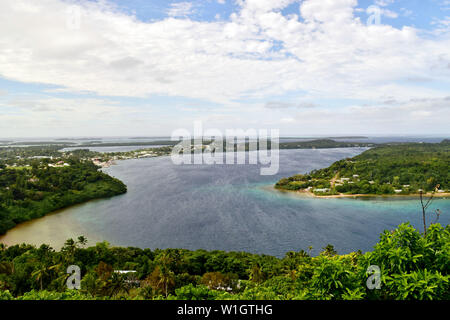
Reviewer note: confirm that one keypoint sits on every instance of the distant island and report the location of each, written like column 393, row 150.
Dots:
column 334, row 138
column 389, row 169
column 324, row 144
column 309, row 144
column 127, row 144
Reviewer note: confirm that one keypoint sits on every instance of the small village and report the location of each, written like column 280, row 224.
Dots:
column 60, row 160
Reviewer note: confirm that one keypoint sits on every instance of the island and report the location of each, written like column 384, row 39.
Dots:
column 388, row 169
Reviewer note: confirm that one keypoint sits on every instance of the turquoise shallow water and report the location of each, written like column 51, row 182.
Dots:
column 226, row 207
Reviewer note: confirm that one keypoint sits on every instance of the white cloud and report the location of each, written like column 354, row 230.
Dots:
column 46, row 116
column 402, row 118
column 180, row 9
column 328, row 54
column 442, row 25
column 406, row 12
column 390, row 14
column 113, row 54
column 384, row 3
column 287, row 120
column 287, row 105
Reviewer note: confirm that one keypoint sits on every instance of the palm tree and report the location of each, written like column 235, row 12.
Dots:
column 117, row 284
column 256, row 274
column 82, row 241
column 7, row 267
column 40, row 273
column 167, row 278
column 160, row 280
column 69, row 249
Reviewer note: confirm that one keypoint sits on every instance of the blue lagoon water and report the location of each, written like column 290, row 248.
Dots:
column 226, row 207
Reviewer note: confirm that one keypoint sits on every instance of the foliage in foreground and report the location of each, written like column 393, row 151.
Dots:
column 412, row 267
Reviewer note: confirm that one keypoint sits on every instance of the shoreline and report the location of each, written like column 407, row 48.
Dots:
column 342, row 196
column 59, row 210
column 18, row 228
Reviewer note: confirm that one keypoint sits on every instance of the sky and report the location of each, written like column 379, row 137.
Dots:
column 148, row 67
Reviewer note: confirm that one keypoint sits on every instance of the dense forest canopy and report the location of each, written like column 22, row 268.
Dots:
column 412, row 266
column 33, row 190
column 385, row 169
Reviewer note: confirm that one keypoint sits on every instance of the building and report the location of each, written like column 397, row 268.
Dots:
column 130, row 277
column 322, row 190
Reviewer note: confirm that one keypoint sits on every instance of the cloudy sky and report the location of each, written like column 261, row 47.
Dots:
column 147, row 67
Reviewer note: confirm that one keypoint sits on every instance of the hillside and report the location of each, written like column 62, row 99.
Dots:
column 384, row 169
column 31, row 191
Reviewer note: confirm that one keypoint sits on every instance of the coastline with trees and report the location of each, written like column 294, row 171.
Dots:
column 385, row 170
column 30, row 192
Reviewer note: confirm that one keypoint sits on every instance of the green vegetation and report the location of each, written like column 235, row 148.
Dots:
column 13, row 154
column 42, row 186
column 383, row 170
column 37, row 180
column 147, row 152
column 323, row 144
column 312, row 144
column 334, row 138
column 40, row 143
column 318, row 143
column 127, row 144
column 413, row 266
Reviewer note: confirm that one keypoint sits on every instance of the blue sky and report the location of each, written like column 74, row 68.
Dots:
column 139, row 67
column 206, row 10
column 417, row 13
column 411, row 12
